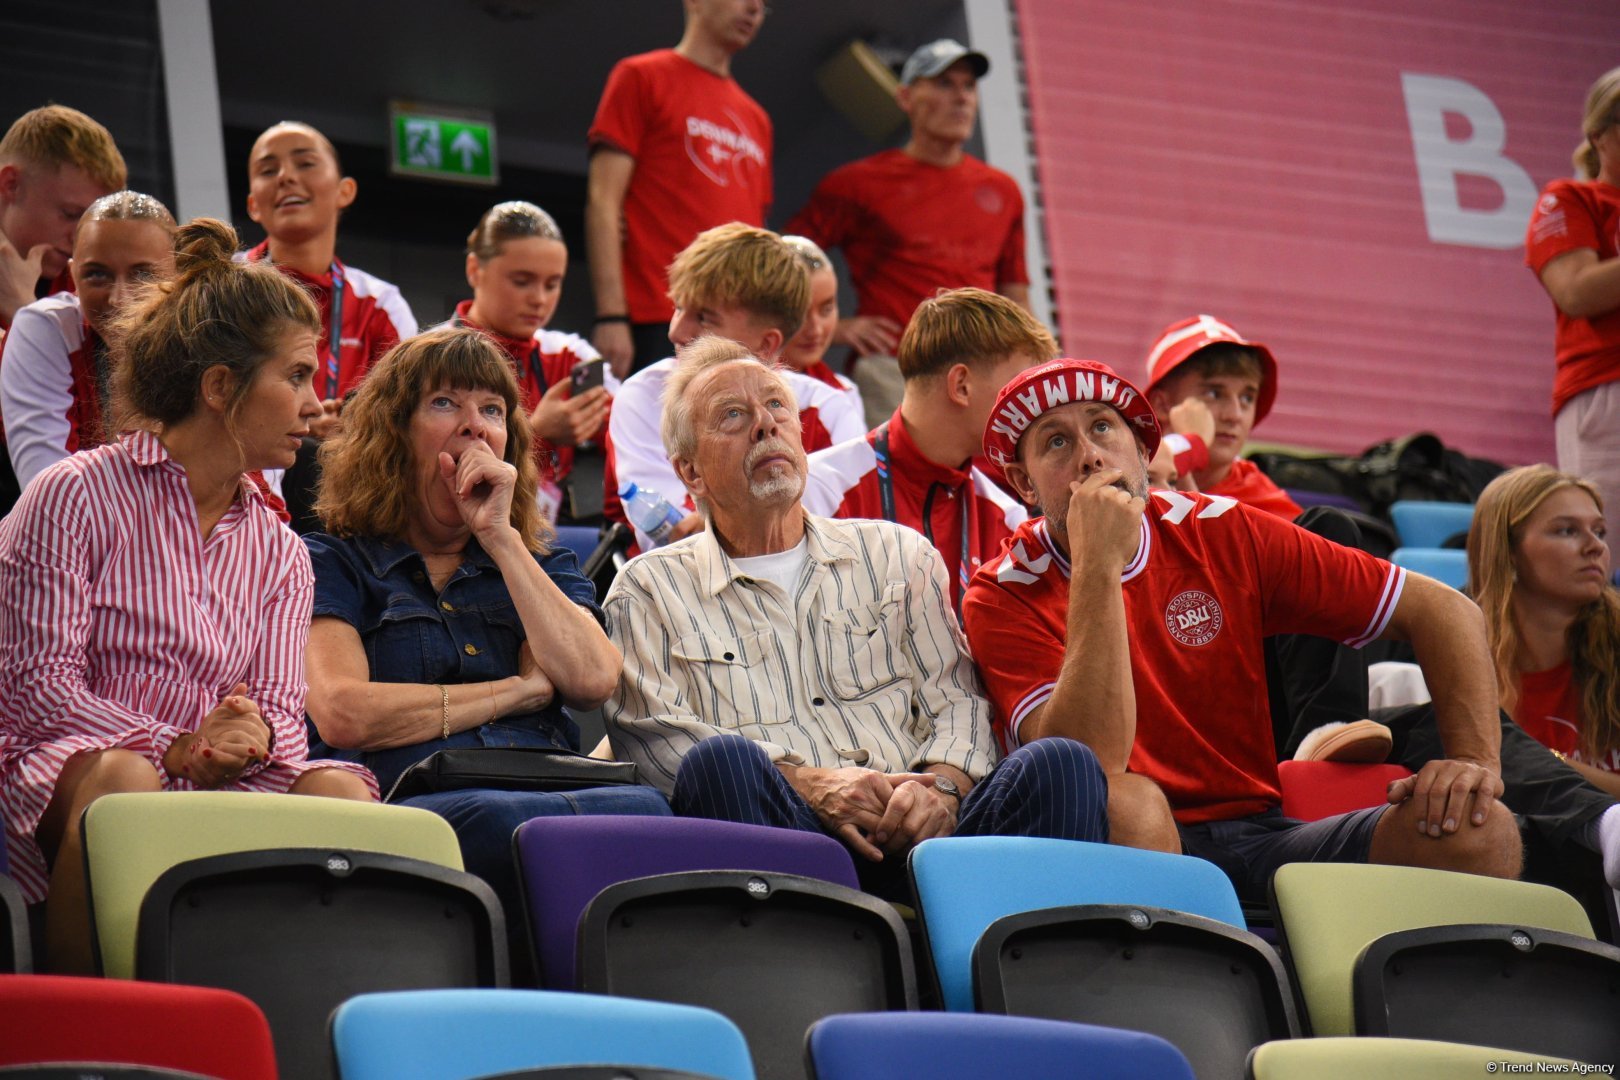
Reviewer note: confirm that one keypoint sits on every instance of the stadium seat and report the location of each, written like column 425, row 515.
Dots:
column 1312, row 790
column 1357, row 1059
column 773, row 952
column 944, row 1046
column 1101, row 935
column 1332, row 916
column 455, row 1034
column 130, row 839
column 1421, row 524
column 1445, row 565
column 965, row 883
column 580, row 539
column 16, row 949
column 297, row 903
column 563, row 862
column 186, row 1030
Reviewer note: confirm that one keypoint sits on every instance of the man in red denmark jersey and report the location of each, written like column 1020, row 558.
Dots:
column 738, row 282
column 1204, row 361
column 916, row 468
column 677, row 147
column 1133, row 621
column 917, row 219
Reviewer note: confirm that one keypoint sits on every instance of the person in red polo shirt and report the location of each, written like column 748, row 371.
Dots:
column 676, row 147
column 1132, row 621
column 915, row 220
column 916, row 468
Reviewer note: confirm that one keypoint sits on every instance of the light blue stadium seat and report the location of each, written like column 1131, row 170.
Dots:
column 1446, row 565
column 460, row 1034
column 1421, row 524
column 943, row 1046
column 965, row 883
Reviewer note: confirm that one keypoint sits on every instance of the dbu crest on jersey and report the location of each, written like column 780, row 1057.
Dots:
column 1193, row 618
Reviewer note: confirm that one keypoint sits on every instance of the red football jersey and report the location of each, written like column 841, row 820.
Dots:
column 703, row 158
column 1209, row 581
column 1573, row 215
column 908, row 228
column 1549, row 708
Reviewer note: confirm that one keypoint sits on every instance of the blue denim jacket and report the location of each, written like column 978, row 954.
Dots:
column 467, row 632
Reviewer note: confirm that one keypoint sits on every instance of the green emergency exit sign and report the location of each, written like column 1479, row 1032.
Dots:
column 442, row 144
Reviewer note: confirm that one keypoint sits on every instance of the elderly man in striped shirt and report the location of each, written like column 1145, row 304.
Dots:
column 791, row 670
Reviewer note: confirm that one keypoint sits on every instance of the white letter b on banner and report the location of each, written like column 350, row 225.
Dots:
column 1440, row 160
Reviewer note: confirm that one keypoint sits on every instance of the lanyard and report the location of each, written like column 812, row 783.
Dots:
column 534, row 358
column 103, row 369
column 335, row 337
column 880, row 447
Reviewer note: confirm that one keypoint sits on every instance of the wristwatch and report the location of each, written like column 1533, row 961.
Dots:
column 948, row 786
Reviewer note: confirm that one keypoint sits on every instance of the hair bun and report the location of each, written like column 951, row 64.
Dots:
column 204, row 244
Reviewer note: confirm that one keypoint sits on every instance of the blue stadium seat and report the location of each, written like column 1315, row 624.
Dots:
column 942, row 1046
column 580, row 539
column 1421, row 524
column 460, row 1034
column 1446, row 565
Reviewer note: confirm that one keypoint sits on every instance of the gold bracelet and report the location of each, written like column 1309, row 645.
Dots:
column 1559, row 754
column 492, row 706
column 444, row 712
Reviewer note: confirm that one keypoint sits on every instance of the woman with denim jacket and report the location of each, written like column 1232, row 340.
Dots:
column 443, row 618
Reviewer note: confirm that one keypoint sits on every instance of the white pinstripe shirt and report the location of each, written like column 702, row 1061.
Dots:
column 864, row 664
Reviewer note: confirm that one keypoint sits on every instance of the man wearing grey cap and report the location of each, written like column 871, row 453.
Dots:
column 914, row 220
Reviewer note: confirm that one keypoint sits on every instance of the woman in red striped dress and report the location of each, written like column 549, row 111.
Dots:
column 156, row 610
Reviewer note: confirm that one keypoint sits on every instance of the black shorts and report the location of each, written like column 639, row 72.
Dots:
column 1250, row 849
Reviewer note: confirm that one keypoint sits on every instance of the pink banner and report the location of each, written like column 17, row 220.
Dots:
column 1349, row 183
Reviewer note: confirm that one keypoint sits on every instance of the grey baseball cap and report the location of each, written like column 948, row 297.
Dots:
column 932, row 59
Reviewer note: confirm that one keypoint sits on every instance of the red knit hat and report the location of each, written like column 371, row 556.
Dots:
column 1063, row 382
column 1181, row 341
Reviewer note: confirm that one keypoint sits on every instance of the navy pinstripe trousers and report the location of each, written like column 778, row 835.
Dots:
column 1051, row 787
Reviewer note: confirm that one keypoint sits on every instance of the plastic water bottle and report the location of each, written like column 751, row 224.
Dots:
column 651, row 513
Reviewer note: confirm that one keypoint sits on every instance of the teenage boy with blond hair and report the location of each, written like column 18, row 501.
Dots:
column 734, row 281
column 916, row 468
column 54, row 162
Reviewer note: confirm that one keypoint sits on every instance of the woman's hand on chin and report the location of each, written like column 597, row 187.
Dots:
column 481, row 486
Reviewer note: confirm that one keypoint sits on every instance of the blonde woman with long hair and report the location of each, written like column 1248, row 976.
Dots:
column 1538, row 561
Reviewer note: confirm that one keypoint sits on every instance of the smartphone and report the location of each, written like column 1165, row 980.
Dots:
column 587, row 375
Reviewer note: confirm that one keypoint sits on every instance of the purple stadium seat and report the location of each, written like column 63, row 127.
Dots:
column 563, row 862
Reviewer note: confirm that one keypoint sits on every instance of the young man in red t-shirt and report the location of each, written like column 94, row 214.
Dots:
column 917, row 467
column 677, row 147
column 915, row 220
column 1133, row 622
column 1204, row 362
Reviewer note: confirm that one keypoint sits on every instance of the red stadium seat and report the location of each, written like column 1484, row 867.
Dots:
column 1319, row 789
column 186, row 1028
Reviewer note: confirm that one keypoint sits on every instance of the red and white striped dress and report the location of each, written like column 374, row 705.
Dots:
column 122, row 627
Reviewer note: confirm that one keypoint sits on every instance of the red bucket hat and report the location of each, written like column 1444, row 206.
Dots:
column 1182, row 340
column 1063, row 382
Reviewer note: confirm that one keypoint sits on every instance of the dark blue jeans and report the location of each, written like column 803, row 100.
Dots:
column 484, row 821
